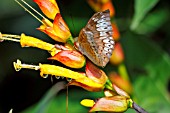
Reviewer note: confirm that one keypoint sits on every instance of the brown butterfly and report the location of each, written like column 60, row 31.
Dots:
column 95, row 39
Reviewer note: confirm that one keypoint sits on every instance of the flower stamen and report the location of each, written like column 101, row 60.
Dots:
column 32, row 8
column 15, row 38
column 30, row 11
column 18, row 66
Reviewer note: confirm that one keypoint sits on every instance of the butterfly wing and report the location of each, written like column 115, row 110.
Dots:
column 98, row 35
column 86, row 46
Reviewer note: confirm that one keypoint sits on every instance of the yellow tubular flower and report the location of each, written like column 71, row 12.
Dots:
column 63, row 72
column 28, row 41
column 70, row 58
column 81, row 78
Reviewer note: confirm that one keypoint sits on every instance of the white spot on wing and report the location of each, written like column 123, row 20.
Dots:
column 103, row 34
column 106, row 40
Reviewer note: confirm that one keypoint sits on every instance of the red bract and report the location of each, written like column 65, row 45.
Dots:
column 93, row 73
column 59, row 30
column 110, row 104
column 70, row 58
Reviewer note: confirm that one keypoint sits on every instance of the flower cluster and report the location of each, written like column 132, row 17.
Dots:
column 93, row 79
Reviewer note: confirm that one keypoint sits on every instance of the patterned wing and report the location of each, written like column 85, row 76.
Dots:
column 85, row 47
column 98, row 33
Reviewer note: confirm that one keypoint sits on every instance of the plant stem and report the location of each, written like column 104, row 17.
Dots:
column 138, row 109
column 70, row 40
column 51, row 93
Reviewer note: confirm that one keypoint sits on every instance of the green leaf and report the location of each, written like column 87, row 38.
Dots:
column 149, row 66
column 153, row 21
column 51, row 103
column 142, row 7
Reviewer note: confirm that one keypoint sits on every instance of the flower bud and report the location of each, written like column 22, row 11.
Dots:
column 110, row 104
column 102, row 5
column 120, row 82
column 95, row 78
column 116, row 34
column 87, row 102
column 117, row 55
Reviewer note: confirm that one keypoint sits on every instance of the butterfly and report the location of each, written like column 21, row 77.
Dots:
column 95, row 39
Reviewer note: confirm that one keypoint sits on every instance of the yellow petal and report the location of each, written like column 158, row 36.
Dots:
column 87, row 102
column 26, row 41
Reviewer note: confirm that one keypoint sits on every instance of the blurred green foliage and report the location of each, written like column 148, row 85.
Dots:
column 144, row 27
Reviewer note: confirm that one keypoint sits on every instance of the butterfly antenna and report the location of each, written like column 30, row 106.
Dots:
column 30, row 11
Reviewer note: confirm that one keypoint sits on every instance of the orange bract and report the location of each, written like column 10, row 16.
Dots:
column 48, row 7
column 102, row 5
column 116, row 34
column 117, row 55
column 59, row 30
column 120, row 82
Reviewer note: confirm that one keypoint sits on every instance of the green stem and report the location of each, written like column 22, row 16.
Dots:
column 70, row 40
column 123, row 71
column 108, row 87
column 108, row 82
column 49, row 96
